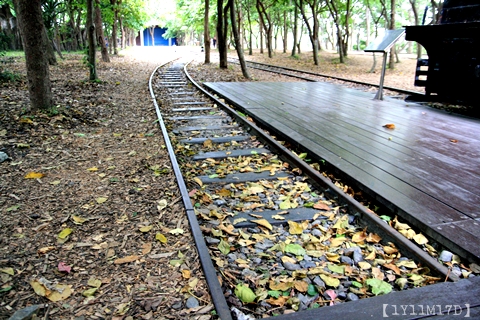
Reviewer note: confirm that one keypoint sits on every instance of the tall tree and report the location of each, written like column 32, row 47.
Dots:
column 99, row 32
column 391, row 63
column 30, row 20
column 295, row 30
column 313, row 30
column 114, row 4
column 238, row 40
column 222, row 25
column 91, row 41
column 264, row 8
column 206, row 31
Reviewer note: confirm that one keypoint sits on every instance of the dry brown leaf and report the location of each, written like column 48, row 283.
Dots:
column 127, row 259
column 146, row 248
column 389, row 126
column 321, row 206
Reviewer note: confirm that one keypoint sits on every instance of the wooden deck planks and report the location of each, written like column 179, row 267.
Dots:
column 416, row 166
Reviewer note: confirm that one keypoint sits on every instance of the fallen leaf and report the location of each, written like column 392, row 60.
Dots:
column 146, row 229
column 63, row 235
column 101, row 200
column 92, row 169
column 186, row 273
column 359, row 236
column 198, row 181
column 61, row 292
column 224, row 247
column 89, row 292
column 92, row 282
column 278, row 217
column 236, row 221
column 64, row 267
column 162, row 204
column 45, row 250
column 264, row 223
column 160, row 237
column 420, row 239
column 127, row 259
column 389, row 126
column 34, row 175
column 295, row 228
column 146, row 248
column 379, row 286
column 176, row 231
column 453, row 140
column 9, row 271
column 321, row 206
column 78, row 220
column 244, row 293
column 330, row 281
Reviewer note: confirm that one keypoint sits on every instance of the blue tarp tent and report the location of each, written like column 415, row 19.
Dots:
column 157, row 38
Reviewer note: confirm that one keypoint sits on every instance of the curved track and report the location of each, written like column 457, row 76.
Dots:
column 247, row 197
column 313, row 76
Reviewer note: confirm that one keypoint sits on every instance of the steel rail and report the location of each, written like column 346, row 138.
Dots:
column 403, row 91
column 216, row 291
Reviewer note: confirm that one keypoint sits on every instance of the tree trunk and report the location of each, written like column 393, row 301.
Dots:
column 250, row 42
column 295, row 30
column 391, row 64
column 91, row 41
column 206, row 31
column 30, row 20
column 238, row 42
column 114, row 26
column 100, row 34
column 221, row 36
column 285, row 31
column 52, row 60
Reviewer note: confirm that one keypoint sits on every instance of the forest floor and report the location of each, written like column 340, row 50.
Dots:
column 93, row 226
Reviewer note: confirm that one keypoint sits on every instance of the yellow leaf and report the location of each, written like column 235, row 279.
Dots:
column 333, row 257
column 389, row 250
column 146, row 248
column 399, row 226
column 420, row 239
column 78, row 220
column 239, row 220
column 34, row 175
column 56, row 182
column 264, row 223
column 364, row 265
column 92, row 282
column 186, row 273
column 281, row 286
column 65, row 233
column 359, row 236
column 9, row 271
column 407, row 264
column 60, row 292
column 335, row 242
column 288, row 259
column 146, row 228
column 278, row 217
column 92, row 169
column 198, row 181
column 295, row 228
column 127, row 259
column 389, row 126
column 371, row 256
column 101, row 200
column 89, row 292
column 330, row 281
column 160, row 237
column 38, row 288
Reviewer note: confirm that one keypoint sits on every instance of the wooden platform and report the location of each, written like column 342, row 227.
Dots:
column 427, row 169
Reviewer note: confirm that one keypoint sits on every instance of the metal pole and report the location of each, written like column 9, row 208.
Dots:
column 379, row 95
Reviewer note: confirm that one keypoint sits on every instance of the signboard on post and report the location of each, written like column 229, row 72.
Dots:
column 383, row 44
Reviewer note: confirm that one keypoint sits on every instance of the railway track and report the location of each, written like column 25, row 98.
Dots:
column 313, row 76
column 273, row 234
